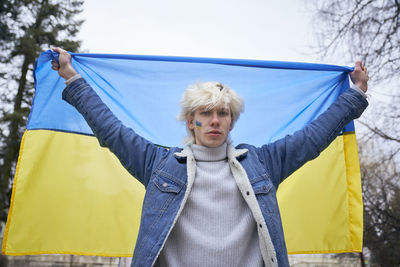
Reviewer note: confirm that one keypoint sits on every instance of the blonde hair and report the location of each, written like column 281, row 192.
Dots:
column 208, row 95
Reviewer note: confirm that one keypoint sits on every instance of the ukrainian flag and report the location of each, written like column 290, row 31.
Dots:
column 72, row 196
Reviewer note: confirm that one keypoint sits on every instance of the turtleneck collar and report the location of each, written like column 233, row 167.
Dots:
column 203, row 153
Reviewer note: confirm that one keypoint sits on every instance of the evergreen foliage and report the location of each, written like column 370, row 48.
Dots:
column 27, row 27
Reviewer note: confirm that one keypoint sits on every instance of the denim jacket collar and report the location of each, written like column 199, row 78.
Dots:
column 232, row 152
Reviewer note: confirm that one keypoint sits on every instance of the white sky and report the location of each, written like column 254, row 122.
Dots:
column 252, row 29
column 249, row 29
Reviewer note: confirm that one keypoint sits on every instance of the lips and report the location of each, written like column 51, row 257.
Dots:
column 214, row 132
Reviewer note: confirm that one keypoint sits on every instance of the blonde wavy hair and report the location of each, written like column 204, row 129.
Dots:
column 208, row 95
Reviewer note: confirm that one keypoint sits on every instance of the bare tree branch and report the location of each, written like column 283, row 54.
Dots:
column 380, row 133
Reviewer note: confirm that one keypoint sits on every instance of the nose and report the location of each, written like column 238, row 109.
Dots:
column 215, row 120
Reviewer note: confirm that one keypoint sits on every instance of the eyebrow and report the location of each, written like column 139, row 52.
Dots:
column 218, row 109
column 224, row 109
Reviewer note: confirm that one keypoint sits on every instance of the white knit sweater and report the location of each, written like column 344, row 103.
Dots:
column 216, row 226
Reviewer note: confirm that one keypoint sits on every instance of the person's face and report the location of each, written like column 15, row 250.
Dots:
column 211, row 127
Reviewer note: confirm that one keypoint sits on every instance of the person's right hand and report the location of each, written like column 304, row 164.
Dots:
column 65, row 68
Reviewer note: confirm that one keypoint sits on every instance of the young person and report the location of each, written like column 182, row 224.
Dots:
column 211, row 204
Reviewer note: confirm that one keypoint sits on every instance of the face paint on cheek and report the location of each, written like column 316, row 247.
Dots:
column 198, row 124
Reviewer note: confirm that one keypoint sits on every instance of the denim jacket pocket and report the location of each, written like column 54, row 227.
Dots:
column 162, row 192
column 266, row 195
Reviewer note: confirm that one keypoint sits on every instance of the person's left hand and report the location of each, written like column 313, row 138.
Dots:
column 360, row 76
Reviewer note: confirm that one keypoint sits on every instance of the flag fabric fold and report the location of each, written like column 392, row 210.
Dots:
column 72, row 196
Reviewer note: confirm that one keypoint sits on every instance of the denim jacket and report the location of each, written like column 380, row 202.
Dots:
column 168, row 175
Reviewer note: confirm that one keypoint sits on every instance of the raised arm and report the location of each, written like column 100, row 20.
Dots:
column 286, row 155
column 137, row 155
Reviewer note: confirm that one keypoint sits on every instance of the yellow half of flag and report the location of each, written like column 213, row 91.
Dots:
column 72, row 196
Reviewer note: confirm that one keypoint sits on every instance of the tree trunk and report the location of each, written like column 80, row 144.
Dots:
column 362, row 259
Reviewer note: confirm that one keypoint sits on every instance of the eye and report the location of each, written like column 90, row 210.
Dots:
column 205, row 112
column 223, row 113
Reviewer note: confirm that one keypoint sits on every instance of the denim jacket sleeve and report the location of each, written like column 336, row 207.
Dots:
column 286, row 155
column 136, row 154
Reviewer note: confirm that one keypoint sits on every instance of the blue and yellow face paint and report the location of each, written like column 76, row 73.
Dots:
column 198, row 124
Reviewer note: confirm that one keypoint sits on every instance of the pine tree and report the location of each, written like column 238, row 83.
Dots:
column 27, row 27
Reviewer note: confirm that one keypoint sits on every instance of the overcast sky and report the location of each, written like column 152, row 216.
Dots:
column 252, row 29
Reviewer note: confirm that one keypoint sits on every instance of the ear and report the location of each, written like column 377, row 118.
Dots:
column 190, row 123
column 231, row 126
